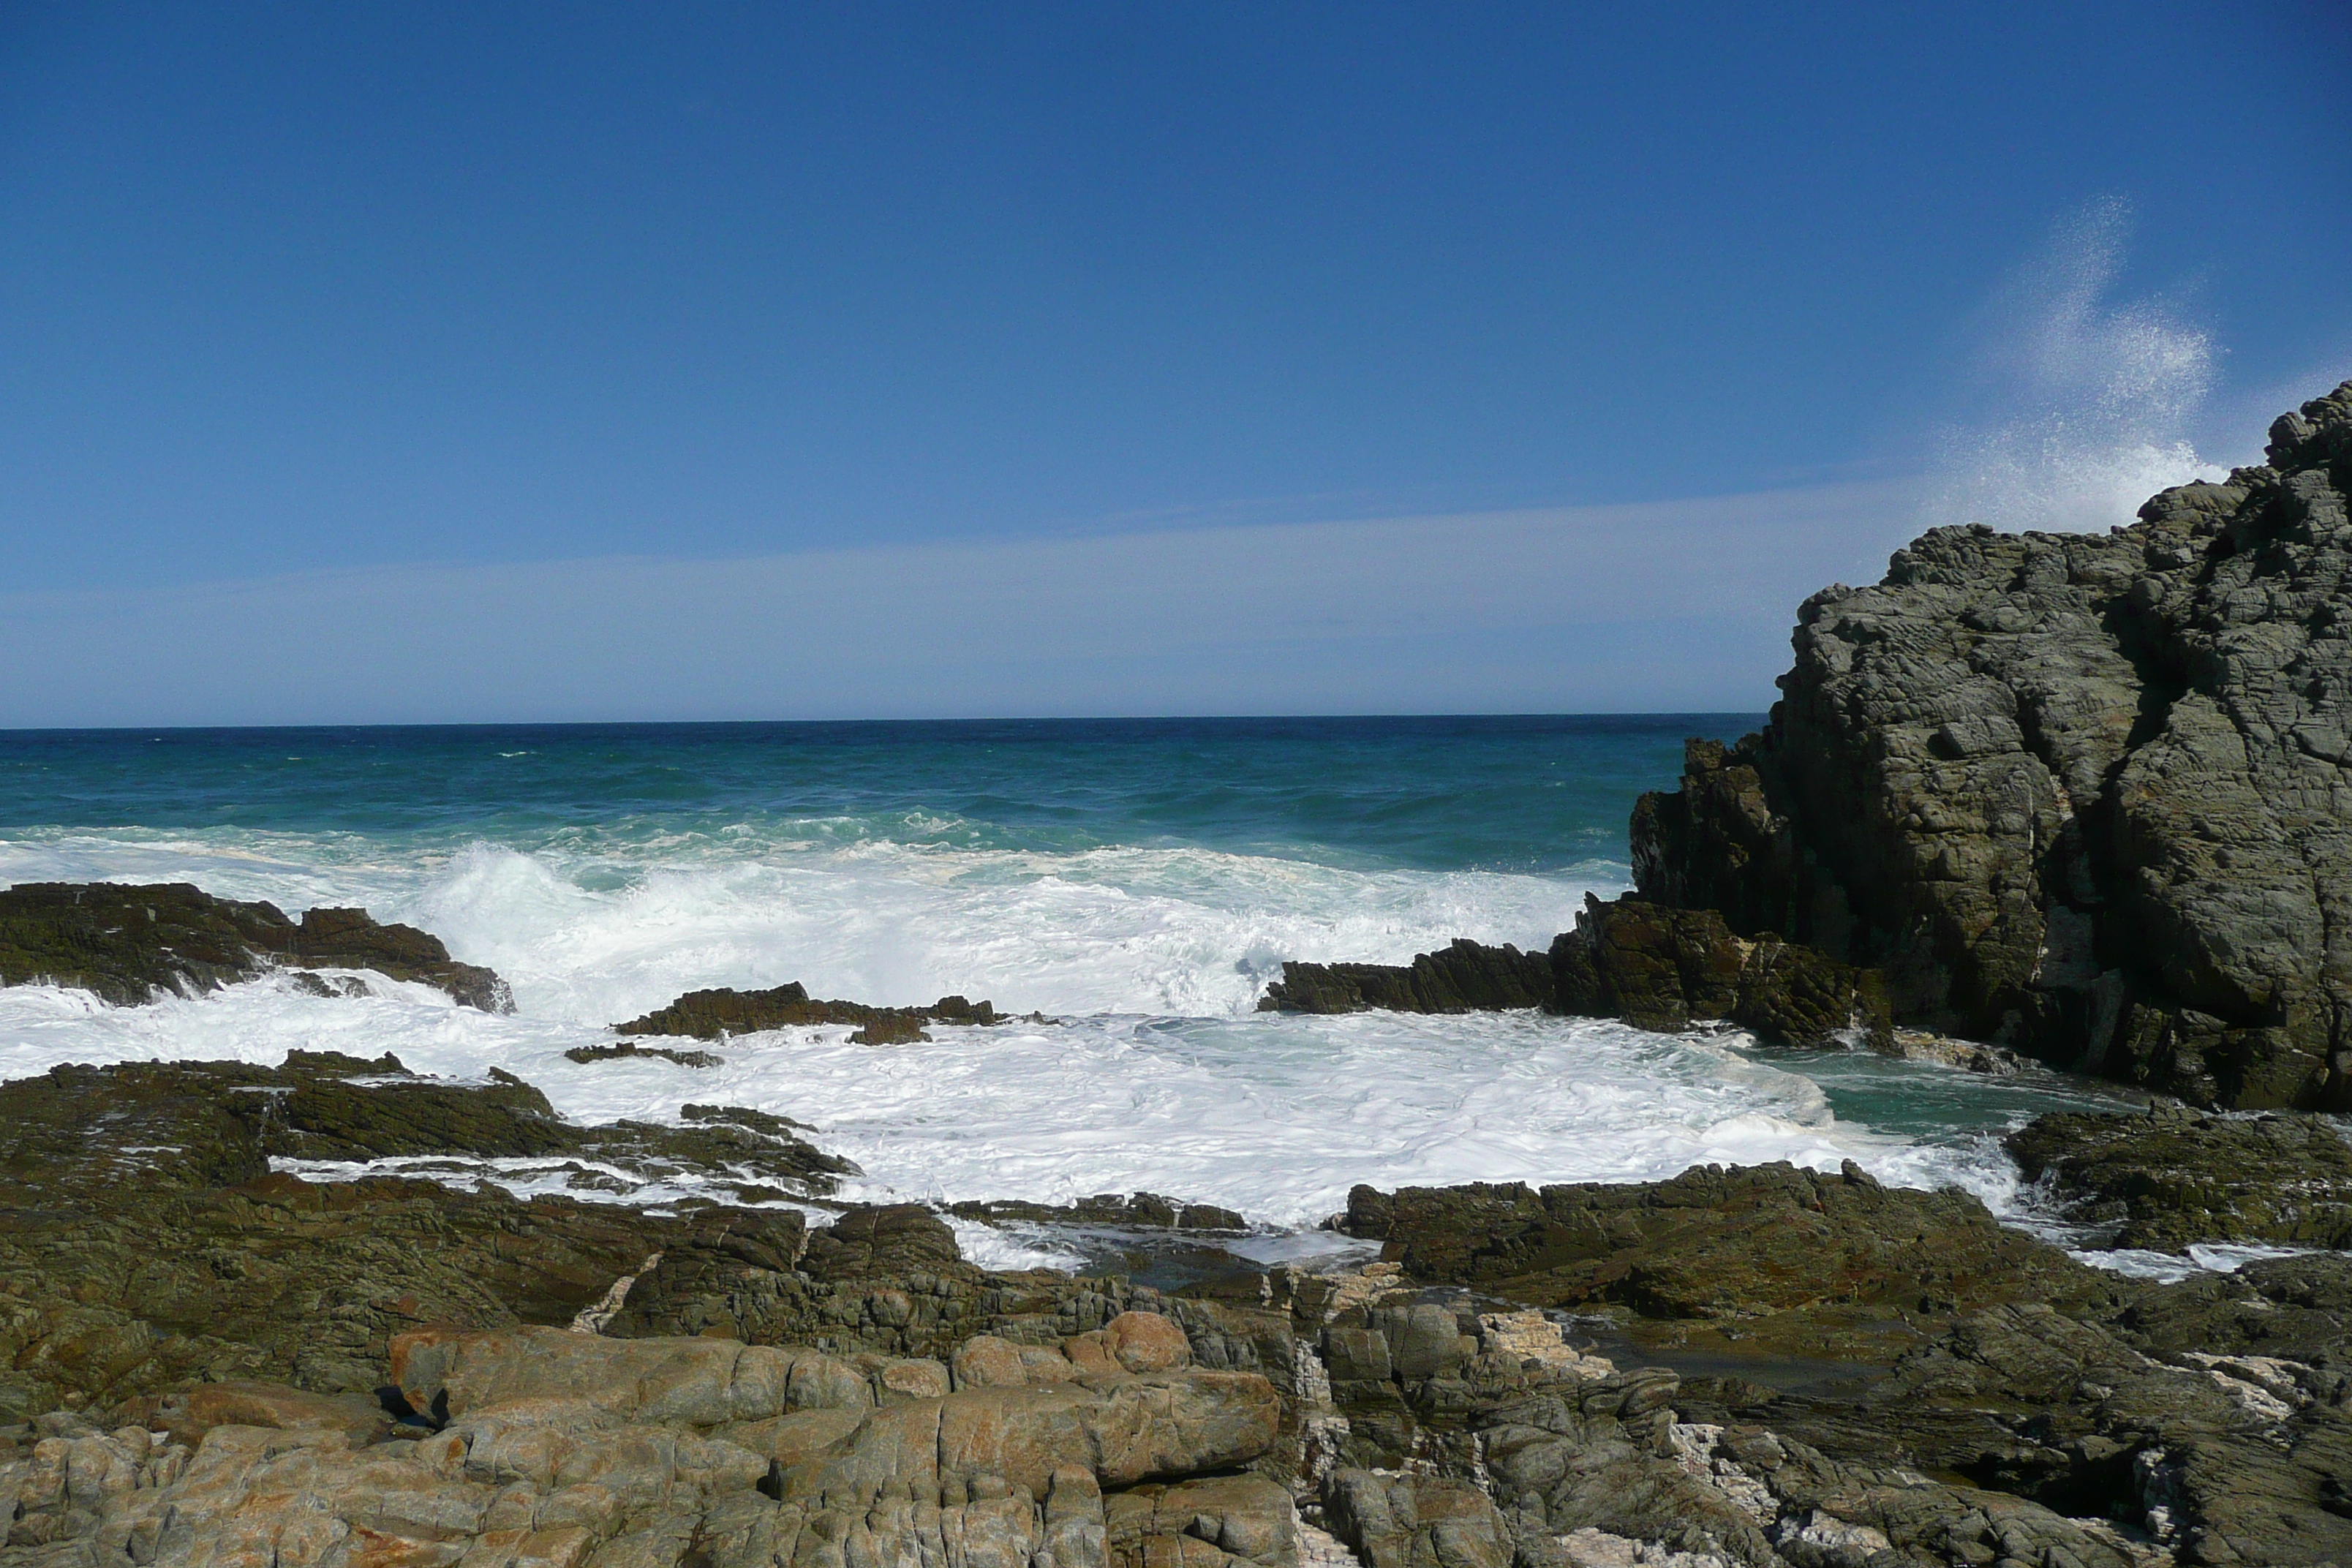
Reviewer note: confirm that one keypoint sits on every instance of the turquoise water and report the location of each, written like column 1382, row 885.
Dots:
column 1537, row 794
column 1136, row 881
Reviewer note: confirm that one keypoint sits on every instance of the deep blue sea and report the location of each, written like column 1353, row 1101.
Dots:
column 1138, row 881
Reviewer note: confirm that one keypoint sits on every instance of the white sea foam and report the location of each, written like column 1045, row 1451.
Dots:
column 2167, row 1268
column 1158, row 1076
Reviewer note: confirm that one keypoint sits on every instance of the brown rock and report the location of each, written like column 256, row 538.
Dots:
column 1146, row 1342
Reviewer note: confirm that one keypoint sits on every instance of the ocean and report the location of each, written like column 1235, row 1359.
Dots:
column 1136, row 881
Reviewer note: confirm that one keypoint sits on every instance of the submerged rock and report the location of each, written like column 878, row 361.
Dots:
column 714, row 1014
column 2171, row 1177
column 132, row 943
column 2082, row 795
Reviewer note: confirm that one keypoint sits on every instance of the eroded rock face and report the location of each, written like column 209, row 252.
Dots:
column 2084, row 794
column 131, row 943
column 2172, row 1177
column 1666, row 969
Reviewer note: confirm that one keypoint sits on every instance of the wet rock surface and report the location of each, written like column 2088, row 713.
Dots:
column 1660, row 968
column 625, row 1049
column 2082, row 795
column 2173, row 1177
column 2127, row 1422
column 768, row 1393
column 716, row 1014
column 132, row 943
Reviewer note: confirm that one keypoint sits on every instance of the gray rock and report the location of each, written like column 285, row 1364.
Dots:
column 2084, row 794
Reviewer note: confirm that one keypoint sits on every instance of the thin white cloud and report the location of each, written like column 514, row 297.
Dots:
column 1652, row 607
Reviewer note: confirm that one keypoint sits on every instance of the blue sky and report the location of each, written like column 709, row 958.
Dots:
column 306, row 305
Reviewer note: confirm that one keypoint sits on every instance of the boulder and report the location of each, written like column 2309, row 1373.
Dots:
column 1146, row 1342
column 694, row 1383
column 1119, row 1429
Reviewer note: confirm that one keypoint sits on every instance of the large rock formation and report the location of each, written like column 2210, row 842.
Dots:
column 1787, row 1259
column 132, row 943
column 2088, row 796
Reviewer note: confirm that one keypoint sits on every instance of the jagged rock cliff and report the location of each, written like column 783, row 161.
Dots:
column 2087, row 795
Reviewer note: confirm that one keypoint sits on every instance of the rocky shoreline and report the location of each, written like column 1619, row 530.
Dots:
column 2047, row 798
column 207, row 1356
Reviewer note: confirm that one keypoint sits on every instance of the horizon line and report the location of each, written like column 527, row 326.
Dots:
column 1625, row 714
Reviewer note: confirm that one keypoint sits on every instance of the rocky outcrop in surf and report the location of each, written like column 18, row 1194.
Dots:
column 1655, row 967
column 2089, row 795
column 132, row 943
column 717, row 1014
